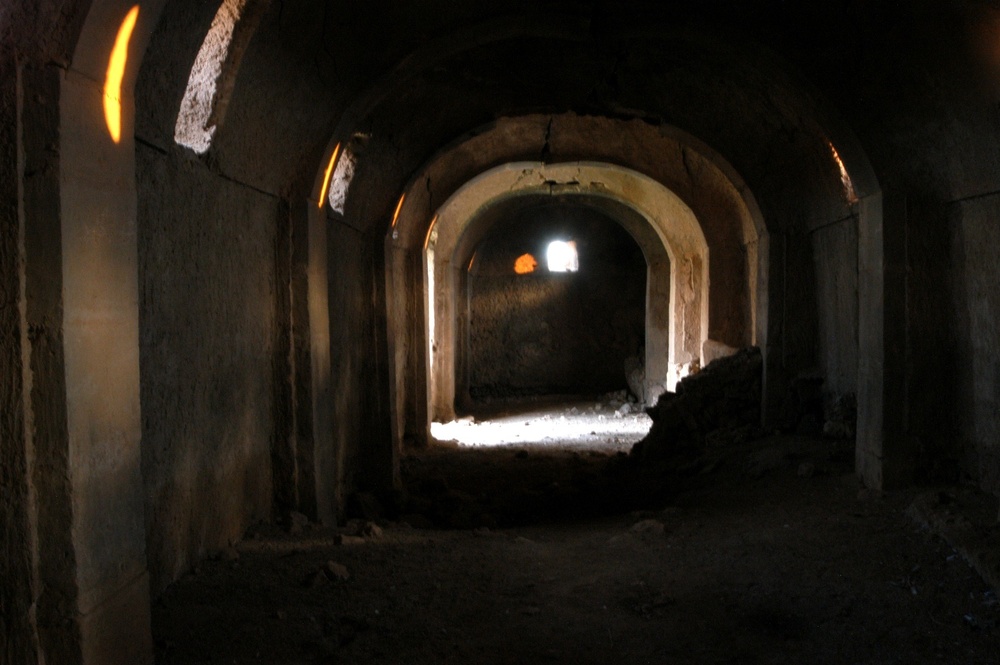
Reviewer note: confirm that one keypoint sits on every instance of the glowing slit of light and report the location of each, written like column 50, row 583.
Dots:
column 115, row 74
column 194, row 128
column 430, row 230
column 327, row 176
column 472, row 262
column 845, row 178
column 399, row 207
column 525, row 264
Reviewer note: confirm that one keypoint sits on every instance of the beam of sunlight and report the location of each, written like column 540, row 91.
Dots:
column 115, row 75
column 195, row 127
column 597, row 427
column 327, row 176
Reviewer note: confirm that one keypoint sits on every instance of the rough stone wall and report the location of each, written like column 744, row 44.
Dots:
column 16, row 569
column 976, row 310
column 207, row 343
column 338, row 466
column 555, row 333
column 835, row 252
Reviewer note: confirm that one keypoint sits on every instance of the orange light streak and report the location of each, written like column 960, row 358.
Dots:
column 327, row 176
column 399, row 207
column 845, row 178
column 430, row 229
column 115, row 75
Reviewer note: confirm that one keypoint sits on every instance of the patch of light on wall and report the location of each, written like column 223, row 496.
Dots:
column 326, row 177
column 525, row 264
column 195, row 125
column 845, row 178
column 115, row 75
column 561, row 256
column 341, row 182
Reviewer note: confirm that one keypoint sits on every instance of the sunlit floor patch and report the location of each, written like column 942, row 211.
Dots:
column 580, row 426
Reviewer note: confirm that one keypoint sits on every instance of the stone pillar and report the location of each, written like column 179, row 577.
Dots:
column 883, row 459
column 18, row 582
column 100, row 338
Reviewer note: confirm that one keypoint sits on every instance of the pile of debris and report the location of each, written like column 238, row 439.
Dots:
column 719, row 404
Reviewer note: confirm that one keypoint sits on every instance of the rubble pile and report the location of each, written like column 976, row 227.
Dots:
column 719, row 404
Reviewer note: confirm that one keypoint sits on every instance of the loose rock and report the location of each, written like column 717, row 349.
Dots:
column 724, row 397
column 336, row 571
column 296, row 522
column 370, row 530
column 653, row 527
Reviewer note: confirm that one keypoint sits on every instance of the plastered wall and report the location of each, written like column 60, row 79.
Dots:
column 207, row 327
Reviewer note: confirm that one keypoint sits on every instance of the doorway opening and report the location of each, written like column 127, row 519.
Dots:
column 549, row 353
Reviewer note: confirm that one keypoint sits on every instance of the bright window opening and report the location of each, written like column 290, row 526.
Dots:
column 561, row 256
column 195, row 122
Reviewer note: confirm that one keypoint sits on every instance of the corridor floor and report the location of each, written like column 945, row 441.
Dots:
column 770, row 553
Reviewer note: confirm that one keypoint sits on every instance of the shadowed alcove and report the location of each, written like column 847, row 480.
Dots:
column 539, row 329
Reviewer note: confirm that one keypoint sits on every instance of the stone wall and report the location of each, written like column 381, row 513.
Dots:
column 835, row 253
column 555, row 333
column 208, row 323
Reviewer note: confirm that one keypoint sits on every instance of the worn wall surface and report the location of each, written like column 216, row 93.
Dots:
column 351, row 376
column 977, row 365
column 835, row 253
column 555, row 333
column 207, row 341
column 16, row 538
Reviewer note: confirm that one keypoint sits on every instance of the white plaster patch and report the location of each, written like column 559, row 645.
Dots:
column 341, row 181
column 194, row 128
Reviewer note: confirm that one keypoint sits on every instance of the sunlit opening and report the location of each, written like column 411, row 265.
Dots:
column 845, row 178
column 525, row 264
column 195, row 125
column 327, row 175
column 561, row 256
column 341, row 181
column 115, row 74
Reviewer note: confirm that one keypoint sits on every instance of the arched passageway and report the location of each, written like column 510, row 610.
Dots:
column 197, row 340
column 555, row 304
column 675, row 333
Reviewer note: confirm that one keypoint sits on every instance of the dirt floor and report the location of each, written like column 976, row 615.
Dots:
column 766, row 552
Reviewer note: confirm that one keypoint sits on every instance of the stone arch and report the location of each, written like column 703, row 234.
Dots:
column 657, row 334
column 701, row 178
column 82, row 296
column 676, row 227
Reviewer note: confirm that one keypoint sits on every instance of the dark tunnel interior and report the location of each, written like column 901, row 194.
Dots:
column 254, row 254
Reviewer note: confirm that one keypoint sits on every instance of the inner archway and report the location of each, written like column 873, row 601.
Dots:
column 660, row 222
column 555, row 298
